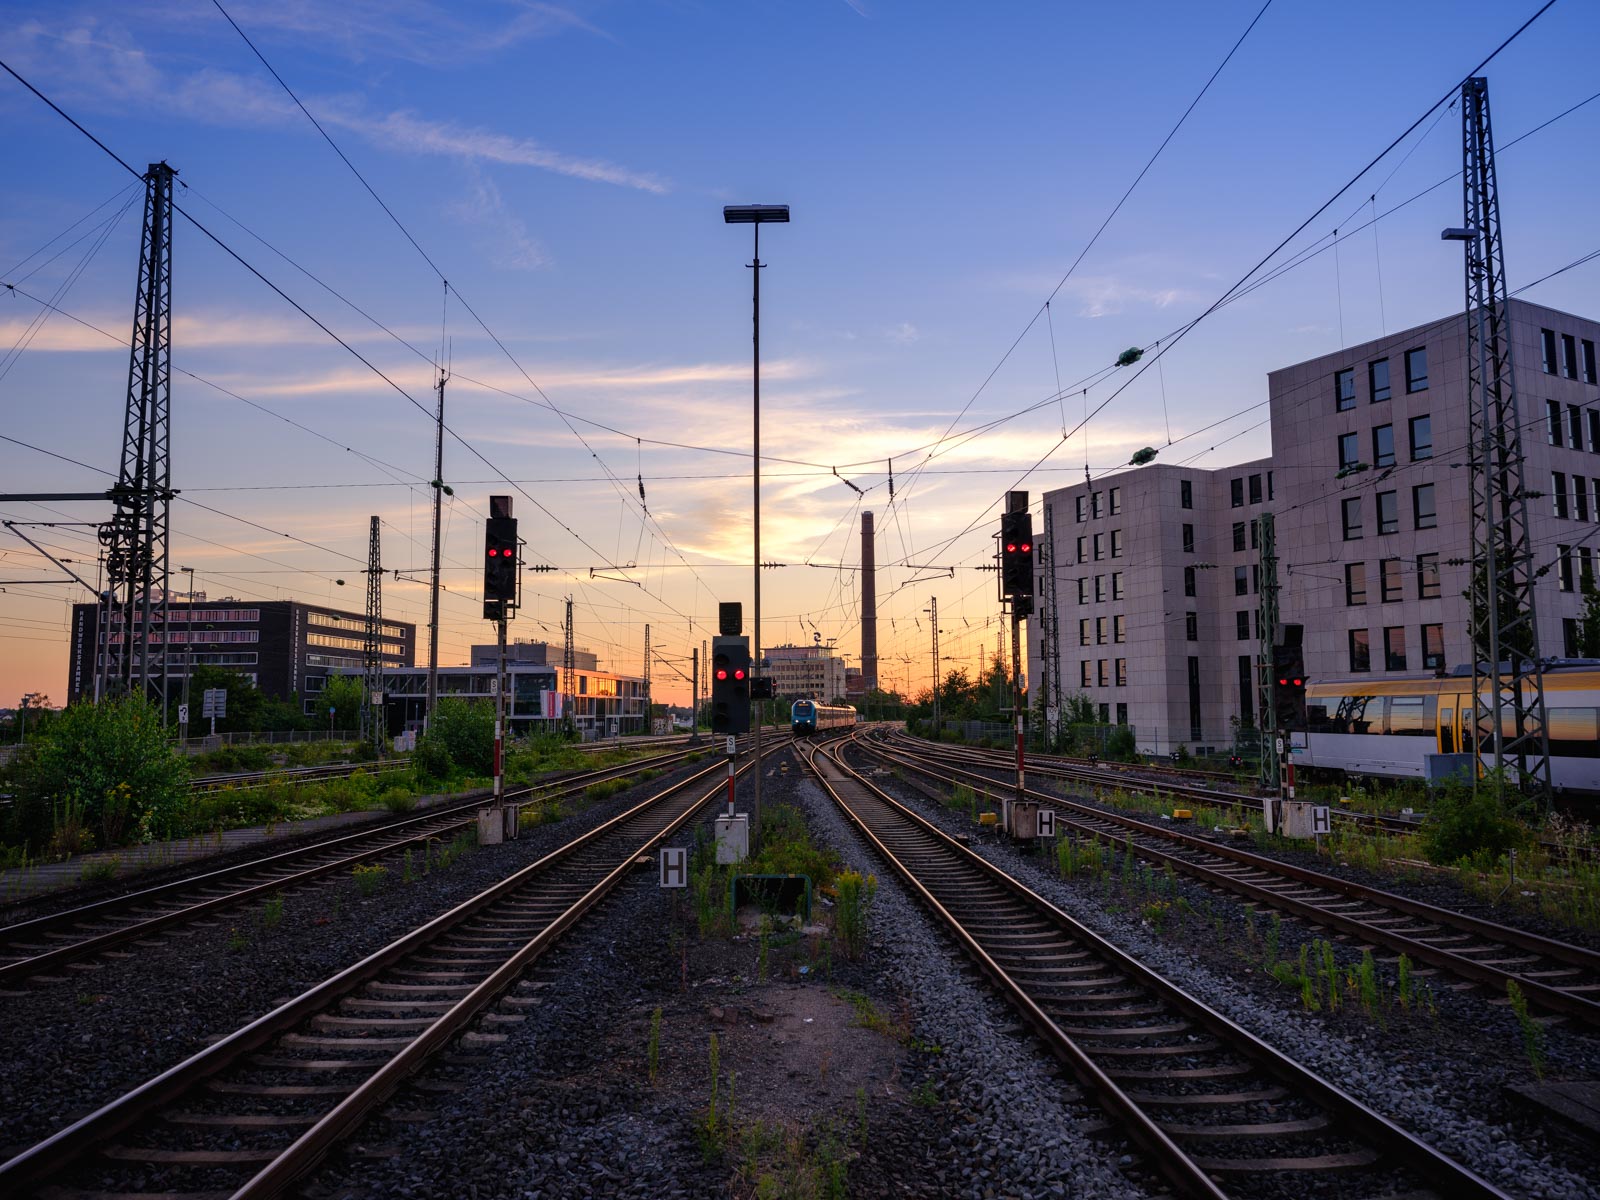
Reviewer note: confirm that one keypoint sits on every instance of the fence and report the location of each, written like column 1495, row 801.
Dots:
column 269, row 737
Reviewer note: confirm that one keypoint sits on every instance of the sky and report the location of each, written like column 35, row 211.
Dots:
column 564, row 166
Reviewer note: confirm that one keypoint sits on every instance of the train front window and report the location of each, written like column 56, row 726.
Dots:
column 1412, row 716
column 1447, row 731
column 1572, row 733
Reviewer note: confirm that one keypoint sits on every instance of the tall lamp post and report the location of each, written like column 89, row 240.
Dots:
column 188, row 652
column 756, row 215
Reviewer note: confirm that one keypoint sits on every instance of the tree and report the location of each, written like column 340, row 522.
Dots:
column 1589, row 622
column 245, row 700
column 109, row 770
column 340, row 699
column 465, row 728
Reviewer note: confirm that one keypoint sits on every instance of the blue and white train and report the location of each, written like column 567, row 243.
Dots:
column 808, row 717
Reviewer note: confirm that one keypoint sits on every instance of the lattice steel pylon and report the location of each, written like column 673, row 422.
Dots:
column 135, row 538
column 1050, row 668
column 569, row 674
column 373, row 726
column 647, row 728
column 1266, row 637
column 1508, row 680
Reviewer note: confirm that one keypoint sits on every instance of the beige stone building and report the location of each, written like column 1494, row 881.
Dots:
column 805, row 672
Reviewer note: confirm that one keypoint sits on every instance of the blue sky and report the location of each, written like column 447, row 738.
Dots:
column 565, row 166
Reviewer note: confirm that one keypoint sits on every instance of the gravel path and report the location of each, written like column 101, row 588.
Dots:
column 1380, row 1068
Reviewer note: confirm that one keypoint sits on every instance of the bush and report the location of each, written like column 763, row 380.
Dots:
column 112, row 766
column 431, row 759
column 398, row 800
column 1463, row 825
column 1120, row 746
column 466, row 730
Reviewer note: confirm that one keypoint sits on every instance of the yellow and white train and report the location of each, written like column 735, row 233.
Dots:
column 1385, row 726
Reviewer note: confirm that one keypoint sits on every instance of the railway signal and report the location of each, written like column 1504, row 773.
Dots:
column 1016, row 554
column 1289, row 686
column 730, row 685
column 499, row 565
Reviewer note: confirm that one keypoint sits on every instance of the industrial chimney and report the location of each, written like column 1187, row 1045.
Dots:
column 869, row 607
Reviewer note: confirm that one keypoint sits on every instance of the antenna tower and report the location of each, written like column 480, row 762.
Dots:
column 569, row 673
column 373, row 726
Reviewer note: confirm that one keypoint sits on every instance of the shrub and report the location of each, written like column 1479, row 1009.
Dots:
column 398, row 800
column 855, row 900
column 112, row 765
column 466, row 729
column 1120, row 745
column 431, row 759
column 1464, row 825
column 369, row 877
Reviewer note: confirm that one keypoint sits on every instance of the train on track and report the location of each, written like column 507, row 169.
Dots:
column 808, row 717
column 1386, row 727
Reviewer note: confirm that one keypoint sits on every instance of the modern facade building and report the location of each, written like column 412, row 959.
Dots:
column 1158, row 574
column 283, row 646
column 805, row 672
column 605, row 704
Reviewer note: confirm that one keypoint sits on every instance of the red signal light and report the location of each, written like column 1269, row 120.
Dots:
column 721, row 674
column 1026, row 546
column 1010, row 546
column 738, row 674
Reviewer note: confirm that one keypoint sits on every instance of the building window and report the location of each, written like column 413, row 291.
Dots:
column 1241, row 624
column 1083, row 589
column 1569, row 637
column 1122, row 714
column 1349, row 450
column 1269, row 485
column 1547, row 339
column 1585, row 567
column 1552, row 421
column 1564, row 567
column 1394, row 648
column 1188, row 539
column 1099, row 631
column 1423, row 513
column 1558, row 492
column 1078, row 503
column 1255, row 489
column 1238, row 535
column 1241, row 581
column 1417, row 369
column 1191, row 626
column 1185, row 494
column 1122, row 681
column 1588, row 361
column 1099, row 588
column 1105, row 714
column 1355, row 584
column 1350, row 515
column 1569, row 356
column 1388, row 512
column 1099, row 546
column 1194, row 698
column 1100, row 677
column 1116, row 585
column 1254, row 527
column 1083, row 631
column 1189, row 578
column 1255, row 577
column 1360, row 651
column 1094, row 505
column 1421, row 437
column 1594, row 431
column 1580, row 497
column 1119, row 628
column 1383, row 445
column 1116, row 543
column 1433, row 647
column 1427, row 576
column 1236, row 491
column 1116, row 501
column 1378, row 379
column 1083, row 549
column 1083, row 672
column 1247, row 688
column 1574, row 427
column 1344, row 390
column 1389, row 579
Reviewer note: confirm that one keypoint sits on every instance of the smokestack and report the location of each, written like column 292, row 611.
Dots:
column 869, row 606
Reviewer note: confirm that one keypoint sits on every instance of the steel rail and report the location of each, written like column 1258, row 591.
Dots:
column 61, row 1150
column 1193, row 1178
column 1076, row 815
column 416, row 831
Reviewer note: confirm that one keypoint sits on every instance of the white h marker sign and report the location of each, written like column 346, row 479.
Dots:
column 674, row 867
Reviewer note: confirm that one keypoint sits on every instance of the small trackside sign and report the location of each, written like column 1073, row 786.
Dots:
column 674, row 867
column 1321, row 820
column 1047, row 823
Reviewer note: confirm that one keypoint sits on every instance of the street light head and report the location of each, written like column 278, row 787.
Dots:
column 755, row 214
column 1458, row 234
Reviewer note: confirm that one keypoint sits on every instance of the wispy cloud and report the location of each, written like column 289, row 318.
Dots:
column 904, row 333
column 512, row 246
column 102, row 63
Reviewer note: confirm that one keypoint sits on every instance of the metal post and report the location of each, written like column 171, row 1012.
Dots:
column 733, row 749
column 694, row 698
column 755, row 463
column 933, row 615
column 433, row 588
column 188, row 658
column 647, row 730
column 500, row 715
column 1016, row 697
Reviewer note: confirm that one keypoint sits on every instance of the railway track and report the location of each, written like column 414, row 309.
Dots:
column 1210, row 1104
column 49, row 943
column 254, row 779
column 1557, row 976
column 258, row 1109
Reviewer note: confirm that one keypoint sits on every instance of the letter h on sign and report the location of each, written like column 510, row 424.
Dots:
column 674, row 867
